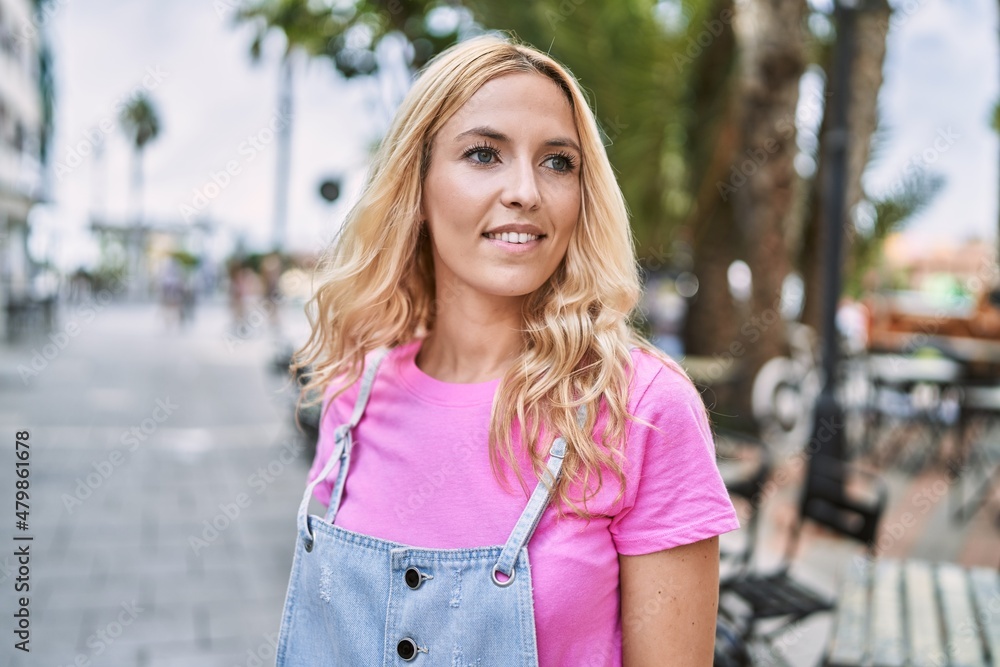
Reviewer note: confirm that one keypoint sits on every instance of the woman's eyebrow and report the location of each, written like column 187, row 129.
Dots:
column 490, row 133
column 484, row 131
column 562, row 141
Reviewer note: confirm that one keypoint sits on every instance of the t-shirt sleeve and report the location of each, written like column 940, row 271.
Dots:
column 674, row 493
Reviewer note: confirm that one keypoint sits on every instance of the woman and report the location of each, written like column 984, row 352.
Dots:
column 472, row 323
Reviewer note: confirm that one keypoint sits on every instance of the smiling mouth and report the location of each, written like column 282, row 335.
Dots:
column 511, row 237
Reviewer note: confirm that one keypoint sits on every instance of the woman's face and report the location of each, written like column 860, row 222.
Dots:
column 502, row 193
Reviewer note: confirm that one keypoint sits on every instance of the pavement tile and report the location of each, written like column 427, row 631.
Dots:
column 113, row 523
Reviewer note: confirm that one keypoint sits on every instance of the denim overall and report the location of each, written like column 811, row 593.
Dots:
column 355, row 600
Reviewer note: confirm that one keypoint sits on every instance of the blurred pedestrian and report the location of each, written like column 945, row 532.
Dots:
column 189, row 297
column 270, row 274
column 237, row 293
column 81, row 286
column 171, row 292
column 475, row 320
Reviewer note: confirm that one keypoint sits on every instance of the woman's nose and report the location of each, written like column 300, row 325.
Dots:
column 521, row 187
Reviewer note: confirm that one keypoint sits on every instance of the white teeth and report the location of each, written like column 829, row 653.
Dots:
column 511, row 237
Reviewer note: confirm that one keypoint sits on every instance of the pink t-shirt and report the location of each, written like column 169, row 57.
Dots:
column 420, row 475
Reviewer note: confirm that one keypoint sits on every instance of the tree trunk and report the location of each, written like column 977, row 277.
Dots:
column 135, row 235
column 871, row 27
column 711, row 324
column 283, row 163
column 713, row 136
column 762, row 183
column 136, row 187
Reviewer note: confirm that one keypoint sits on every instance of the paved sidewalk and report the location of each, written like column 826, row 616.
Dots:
column 165, row 475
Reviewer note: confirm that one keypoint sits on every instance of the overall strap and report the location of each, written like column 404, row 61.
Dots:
column 532, row 514
column 343, row 441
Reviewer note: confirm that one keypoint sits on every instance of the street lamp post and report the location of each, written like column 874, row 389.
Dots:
column 828, row 429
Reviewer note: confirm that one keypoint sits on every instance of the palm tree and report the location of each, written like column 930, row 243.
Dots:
column 713, row 141
column 293, row 20
column 141, row 124
column 348, row 36
column 773, row 45
column 889, row 213
column 347, row 33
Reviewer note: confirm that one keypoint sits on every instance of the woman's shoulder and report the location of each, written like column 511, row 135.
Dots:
column 658, row 380
column 382, row 356
column 674, row 494
column 341, row 391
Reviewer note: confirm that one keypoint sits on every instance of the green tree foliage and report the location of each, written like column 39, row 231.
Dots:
column 619, row 53
column 883, row 216
column 636, row 59
column 347, row 32
column 141, row 124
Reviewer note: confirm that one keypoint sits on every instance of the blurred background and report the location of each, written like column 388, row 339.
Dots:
column 814, row 197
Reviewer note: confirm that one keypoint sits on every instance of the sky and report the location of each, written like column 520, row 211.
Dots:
column 217, row 108
column 936, row 103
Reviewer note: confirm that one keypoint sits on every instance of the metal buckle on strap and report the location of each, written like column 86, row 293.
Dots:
column 503, row 584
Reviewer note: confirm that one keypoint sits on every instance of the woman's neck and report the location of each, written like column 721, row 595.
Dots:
column 475, row 338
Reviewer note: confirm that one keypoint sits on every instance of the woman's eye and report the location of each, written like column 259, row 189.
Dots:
column 482, row 155
column 560, row 163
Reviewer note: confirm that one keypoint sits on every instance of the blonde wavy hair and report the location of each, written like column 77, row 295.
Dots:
column 378, row 285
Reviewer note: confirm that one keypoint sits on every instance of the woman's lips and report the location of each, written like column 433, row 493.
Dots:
column 527, row 246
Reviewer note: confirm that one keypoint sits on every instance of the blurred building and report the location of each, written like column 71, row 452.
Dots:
column 25, row 128
column 971, row 263
column 154, row 241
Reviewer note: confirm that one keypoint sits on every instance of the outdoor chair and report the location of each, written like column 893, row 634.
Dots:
column 730, row 647
column 975, row 461
column 745, row 484
column 829, row 498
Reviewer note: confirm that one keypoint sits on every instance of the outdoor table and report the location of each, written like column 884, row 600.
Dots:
column 966, row 350
column 915, row 613
column 899, row 369
column 894, row 379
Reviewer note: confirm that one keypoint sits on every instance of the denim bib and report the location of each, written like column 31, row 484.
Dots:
column 354, row 600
